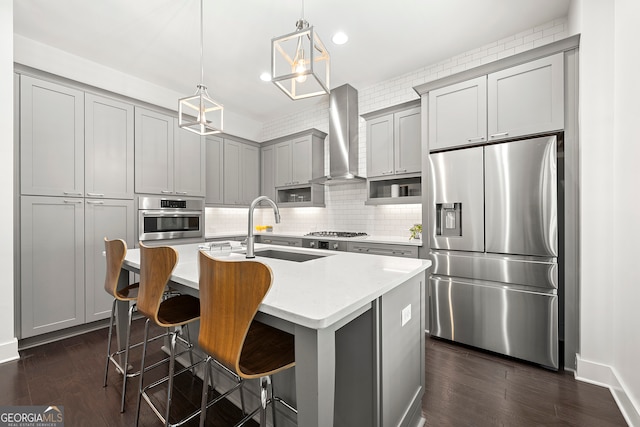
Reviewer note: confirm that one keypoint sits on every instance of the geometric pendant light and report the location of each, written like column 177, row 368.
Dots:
column 199, row 113
column 300, row 63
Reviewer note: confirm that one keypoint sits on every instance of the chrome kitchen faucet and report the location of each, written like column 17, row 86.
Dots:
column 250, row 237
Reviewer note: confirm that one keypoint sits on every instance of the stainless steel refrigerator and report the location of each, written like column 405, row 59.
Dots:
column 494, row 245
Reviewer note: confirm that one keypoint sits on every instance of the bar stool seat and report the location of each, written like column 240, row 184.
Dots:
column 230, row 294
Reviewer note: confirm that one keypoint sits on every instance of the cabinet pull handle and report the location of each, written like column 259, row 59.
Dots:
column 95, row 195
column 181, row 192
column 75, row 202
column 476, row 139
column 72, row 193
column 165, row 191
column 496, row 135
column 401, row 170
column 95, row 202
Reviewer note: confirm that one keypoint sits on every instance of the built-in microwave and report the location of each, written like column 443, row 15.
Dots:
column 169, row 218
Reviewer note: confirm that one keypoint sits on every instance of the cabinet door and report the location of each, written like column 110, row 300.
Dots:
column 103, row 218
column 250, row 171
column 283, row 164
column 108, row 148
column 189, row 163
column 380, row 146
column 153, row 152
column 52, row 139
column 407, row 138
column 51, row 264
column 526, row 99
column 232, row 172
column 267, row 163
column 214, row 170
column 458, row 114
column 301, row 160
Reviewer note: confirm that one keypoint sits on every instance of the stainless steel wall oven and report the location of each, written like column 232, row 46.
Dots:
column 166, row 218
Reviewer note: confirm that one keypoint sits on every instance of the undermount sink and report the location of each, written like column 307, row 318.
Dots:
column 287, row 256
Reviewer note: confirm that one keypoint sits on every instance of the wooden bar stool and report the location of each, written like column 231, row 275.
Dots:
column 230, row 294
column 156, row 266
column 115, row 252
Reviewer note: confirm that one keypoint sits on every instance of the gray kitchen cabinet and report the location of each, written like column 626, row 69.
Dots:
column 51, row 139
column 289, row 164
column 268, row 170
column 113, row 219
column 241, row 173
column 251, row 173
column 458, row 114
column 522, row 100
column 214, row 170
column 380, row 146
column 189, row 163
column 168, row 160
column 394, row 141
column 293, row 242
column 526, row 99
column 108, row 169
column 293, row 161
column 52, row 291
column 405, row 251
column 153, row 152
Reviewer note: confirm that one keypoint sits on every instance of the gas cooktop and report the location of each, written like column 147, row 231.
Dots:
column 336, row 234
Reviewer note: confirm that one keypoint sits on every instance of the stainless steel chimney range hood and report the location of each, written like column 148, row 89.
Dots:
column 343, row 137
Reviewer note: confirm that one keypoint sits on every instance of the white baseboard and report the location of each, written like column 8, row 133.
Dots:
column 605, row 376
column 9, row 350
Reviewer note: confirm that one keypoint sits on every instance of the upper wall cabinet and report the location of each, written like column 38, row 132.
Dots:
column 168, row 160
column 393, row 141
column 521, row 100
column 232, row 171
column 526, row 99
column 214, row 170
column 189, row 163
column 299, row 159
column 51, row 139
column 458, row 114
column 154, row 152
column 108, row 148
column 289, row 164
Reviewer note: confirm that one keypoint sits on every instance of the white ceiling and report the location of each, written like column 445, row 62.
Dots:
column 158, row 40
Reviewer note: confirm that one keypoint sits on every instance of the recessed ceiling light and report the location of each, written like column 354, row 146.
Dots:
column 265, row 77
column 340, row 38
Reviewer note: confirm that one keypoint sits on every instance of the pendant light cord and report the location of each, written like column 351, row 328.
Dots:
column 202, row 42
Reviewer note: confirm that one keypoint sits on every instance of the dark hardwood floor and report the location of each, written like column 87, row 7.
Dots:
column 465, row 387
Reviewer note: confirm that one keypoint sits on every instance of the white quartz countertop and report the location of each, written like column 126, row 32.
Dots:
column 315, row 293
column 391, row 240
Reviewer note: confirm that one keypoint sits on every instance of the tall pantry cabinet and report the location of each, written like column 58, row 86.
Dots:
column 76, row 186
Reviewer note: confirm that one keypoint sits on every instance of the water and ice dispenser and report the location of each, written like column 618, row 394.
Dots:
column 448, row 219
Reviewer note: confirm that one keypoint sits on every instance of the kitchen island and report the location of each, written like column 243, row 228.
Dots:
column 357, row 321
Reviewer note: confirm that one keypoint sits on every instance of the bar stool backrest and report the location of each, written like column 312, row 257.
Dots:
column 156, row 265
column 115, row 251
column 230, row 294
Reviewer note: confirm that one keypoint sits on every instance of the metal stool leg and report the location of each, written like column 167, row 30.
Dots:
column 106, row 367
column 144, row 353
column 206, row 377
column 125, row 367
column 172, row 363
column 190, row 346
column 273, row 402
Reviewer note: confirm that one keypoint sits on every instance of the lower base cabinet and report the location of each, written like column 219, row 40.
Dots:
column 406, row 251
column 61, row 263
